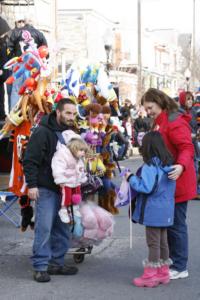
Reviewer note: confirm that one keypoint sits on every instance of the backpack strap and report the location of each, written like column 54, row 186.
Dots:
column 60, row 137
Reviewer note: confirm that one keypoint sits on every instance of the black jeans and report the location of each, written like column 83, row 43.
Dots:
column 2, row 107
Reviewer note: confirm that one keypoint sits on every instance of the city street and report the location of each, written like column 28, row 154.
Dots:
column 105, row 274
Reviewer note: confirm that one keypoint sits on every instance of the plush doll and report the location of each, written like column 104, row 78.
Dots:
column 93, row 109
column 93, row 139
column 93, row 136
column 83, row 101
column 108, row 195
column 19, row 138
column 83, row 97
column 26, row 213
column 103, row 119
column 28, row 106
column 22, row 66
column 14, row 118
column 29, row 65
column 107, row 137
column 97, row 166
column 97, row 223
column 72, row 81
column 103, row 85
column 39, row 92
column 108, row 163
column 89, row 74
column 98, row 97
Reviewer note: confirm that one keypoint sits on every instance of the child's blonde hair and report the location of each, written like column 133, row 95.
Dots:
column 75, row 145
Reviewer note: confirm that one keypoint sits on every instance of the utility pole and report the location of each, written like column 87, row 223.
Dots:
column 56, row 37
column 139, row 72
column 193, row 44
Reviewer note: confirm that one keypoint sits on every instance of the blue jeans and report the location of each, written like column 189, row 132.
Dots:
column 52, row 236
column 196, row 166
column 178, row 238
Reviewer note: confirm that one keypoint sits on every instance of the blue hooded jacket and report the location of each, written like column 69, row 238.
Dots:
column 155, row 195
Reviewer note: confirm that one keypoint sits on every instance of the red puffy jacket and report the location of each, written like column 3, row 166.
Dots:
column 176, row 133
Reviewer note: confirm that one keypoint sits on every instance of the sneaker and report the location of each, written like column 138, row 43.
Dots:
column 64, row 216
column 197, row 197
column 62, row 270
column 41, row 276
column 173, row 274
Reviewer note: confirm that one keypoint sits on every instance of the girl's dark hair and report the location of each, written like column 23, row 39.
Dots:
column 153, row 146
column 161, row 99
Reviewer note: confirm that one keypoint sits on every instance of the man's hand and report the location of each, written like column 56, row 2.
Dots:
column 33, row 193
column 176, row 172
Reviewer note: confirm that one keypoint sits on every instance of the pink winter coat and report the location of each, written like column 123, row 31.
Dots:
column 66, row 169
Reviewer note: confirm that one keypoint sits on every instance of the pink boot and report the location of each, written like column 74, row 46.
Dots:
column 163, row 271
column 150, row 276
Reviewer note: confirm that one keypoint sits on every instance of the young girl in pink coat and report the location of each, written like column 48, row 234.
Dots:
column 69, row 172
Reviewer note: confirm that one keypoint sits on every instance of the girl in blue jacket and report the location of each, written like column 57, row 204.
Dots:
column 154, row 207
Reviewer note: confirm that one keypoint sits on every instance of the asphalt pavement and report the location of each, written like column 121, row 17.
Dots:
column 106, row 273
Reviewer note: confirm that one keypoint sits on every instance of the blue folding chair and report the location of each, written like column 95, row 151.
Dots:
column 7, row 199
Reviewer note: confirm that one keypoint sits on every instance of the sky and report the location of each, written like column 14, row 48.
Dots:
column 176, row 14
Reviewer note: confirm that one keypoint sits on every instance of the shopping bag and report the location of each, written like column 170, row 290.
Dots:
column 123, row 194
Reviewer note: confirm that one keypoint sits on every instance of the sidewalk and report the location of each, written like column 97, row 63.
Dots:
column 105, row 274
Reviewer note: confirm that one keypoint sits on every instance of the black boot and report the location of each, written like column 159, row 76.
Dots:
column 41, row 276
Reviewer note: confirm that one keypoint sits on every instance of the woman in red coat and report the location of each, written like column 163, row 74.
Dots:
column 175, row 129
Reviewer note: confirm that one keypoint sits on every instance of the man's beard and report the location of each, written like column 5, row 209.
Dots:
column 70, row 123
column 65, row 122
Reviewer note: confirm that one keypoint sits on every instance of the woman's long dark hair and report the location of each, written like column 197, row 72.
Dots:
column 153, row 146
column 161, row 99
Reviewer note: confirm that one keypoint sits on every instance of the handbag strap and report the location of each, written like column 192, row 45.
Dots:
column 60, row 137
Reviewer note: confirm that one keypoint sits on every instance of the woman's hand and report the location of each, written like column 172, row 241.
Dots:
column 176, row 172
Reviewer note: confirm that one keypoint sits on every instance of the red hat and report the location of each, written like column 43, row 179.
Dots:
column 115, row 127
column 182, row 98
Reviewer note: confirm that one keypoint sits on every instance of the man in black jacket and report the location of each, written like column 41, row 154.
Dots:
column 20, row 40
column 51, row 240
